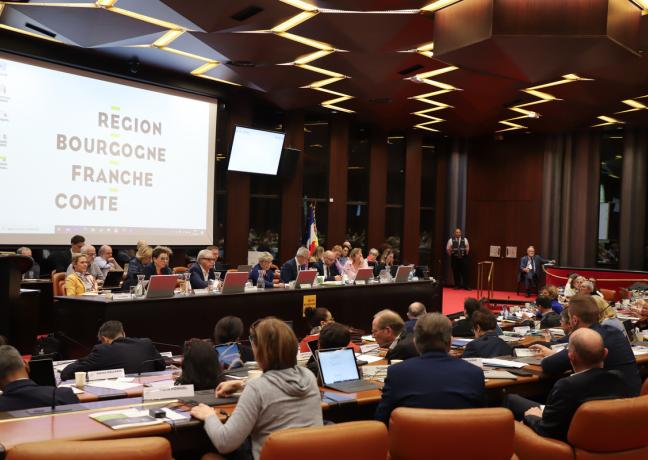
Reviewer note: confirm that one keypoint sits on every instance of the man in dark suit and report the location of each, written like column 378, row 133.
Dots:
column 19, row 391
column 589, row 381
column 328, row 268
column 34, row 271
column 548, row 317
column 433, row 380
column 388, row 328
column 464, row 327
column 291, row 269
column 414, row 312
column 584, row 314
column 530, row 269
column 117, row 351
column 60, row 260
column 202, row 271
column 486, row 344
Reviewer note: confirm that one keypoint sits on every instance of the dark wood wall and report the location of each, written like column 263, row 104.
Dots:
column 504, row 202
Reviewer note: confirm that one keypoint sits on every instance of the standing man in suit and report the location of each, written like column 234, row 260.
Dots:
column 291, row 269
column 433, row 380
column 530, row 269
column 583, row 314
column 458, row 249
column 202, row 271
column 328, row 268
column 19, row 391
column 388, row 328
column 116, row 351
column 60, row 260
column 590, row 380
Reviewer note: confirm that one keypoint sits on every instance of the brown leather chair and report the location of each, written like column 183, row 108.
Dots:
column 178, row 270
column 422, row 434
column 58, row 284
column 608, row 294
column 152, row 448
column 614, row 428
column 366, row 440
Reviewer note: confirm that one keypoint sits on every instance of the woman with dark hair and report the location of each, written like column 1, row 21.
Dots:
column 284, row 396
column 160, row 265
column 229, row 329
column 318, row 318
column 200, row 366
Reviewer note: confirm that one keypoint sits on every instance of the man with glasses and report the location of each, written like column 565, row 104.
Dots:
column 203, row 270
column 388, row 328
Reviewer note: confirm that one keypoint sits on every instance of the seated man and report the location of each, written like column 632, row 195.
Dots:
column 414, row 312
column 464, row 327
column 19, row 391
column 584, row 314
column 116, row 351
column 332, row 335
column 34, row 271
column 549, row 318
column 388, row 328
column 202, row 271
column 586, row 354
column 530, row 269
column 486, row 344
column 290, row 269
column 328, row 268
column 433, row 380
column 60, row 260
column 105, row 260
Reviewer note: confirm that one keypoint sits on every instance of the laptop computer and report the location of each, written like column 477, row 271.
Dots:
column 244, row 268
column 234, row 282
column 305, row 277
column 229, row 355
column 161, row 286
column 339, row 371
column 402, row 274
column 364, row 274
column 113, row 280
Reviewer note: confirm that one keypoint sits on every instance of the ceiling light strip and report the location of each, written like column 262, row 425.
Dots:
column 436, row 5
column 294, row 21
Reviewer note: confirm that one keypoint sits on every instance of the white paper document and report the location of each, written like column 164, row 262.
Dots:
column 369, row 358
column 494, row 362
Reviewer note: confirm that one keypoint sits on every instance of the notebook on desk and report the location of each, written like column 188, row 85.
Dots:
column 339, row 371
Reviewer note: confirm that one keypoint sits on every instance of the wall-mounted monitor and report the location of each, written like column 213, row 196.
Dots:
column 256, row 151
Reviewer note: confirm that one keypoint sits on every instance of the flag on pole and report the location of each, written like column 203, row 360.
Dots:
column 312, row 242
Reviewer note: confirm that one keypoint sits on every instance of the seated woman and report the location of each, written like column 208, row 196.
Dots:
column 160, row 264
column 486, row 344
column 284, row 396
column 354, row 264
column 80, row 281
column 265, row 260
column 136, row 265
column 386, row 262
column 229, row 329
column 200, row 366
column 552, row 293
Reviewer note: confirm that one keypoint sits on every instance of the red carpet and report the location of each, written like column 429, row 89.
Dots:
column 453, row 300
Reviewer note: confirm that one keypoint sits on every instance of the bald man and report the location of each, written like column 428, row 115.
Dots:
column 327, row 267
column 589, row 381
column 414, row 311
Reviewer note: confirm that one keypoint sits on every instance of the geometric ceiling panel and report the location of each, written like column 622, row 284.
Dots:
column 88, row 27
column 463, row 69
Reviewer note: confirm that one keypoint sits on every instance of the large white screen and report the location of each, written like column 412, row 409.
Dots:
column 255, row 151
column 114, row 162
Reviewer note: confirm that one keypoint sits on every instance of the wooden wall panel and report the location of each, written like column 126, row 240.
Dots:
column 291, row 196
column 339, row 145
column 412, row 204
column 504, row 202
column 377, row 189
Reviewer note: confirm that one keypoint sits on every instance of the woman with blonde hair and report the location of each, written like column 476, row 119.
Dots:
column 355, row 263
column 80, row 281
column 284, row 396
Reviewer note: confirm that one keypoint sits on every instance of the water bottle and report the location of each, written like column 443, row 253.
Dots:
column 410, row 277
column 187, row 285
column 261, row 280
column 139, row 289
column 505, row 312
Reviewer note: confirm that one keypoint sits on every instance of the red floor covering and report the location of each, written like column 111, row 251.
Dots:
column 453, row 299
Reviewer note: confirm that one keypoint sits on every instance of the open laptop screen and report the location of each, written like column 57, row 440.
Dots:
column 338, row 365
